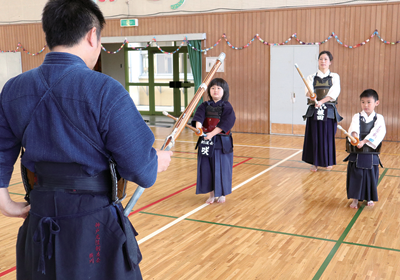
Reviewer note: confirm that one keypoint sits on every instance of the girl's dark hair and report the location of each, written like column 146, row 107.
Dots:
column 66, row 22
column 328, row 53
column 221, row 83
column 370, row 93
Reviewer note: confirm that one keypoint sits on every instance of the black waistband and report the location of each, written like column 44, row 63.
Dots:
column 59, row 176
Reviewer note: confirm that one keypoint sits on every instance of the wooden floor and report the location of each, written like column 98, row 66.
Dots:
column 281, row 221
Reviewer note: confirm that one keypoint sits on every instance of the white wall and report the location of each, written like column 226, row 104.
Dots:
column 23, row 11
column 10, row 66
column 113, row 65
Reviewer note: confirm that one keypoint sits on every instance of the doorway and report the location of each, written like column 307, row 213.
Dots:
column 159, row 81
column 288, row 102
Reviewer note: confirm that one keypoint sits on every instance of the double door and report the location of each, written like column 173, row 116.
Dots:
column 288, row 102
column 159, row 81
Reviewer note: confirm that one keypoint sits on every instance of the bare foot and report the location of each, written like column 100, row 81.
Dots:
column 329, row 168
column 221, row 199
column 211, row 199
column 370, row 203
column 354, row 204
column 313, row 168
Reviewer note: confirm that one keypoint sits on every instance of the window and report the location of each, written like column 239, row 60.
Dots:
column 163, row 64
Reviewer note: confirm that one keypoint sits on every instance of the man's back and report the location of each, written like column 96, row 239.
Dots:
column 62, row 107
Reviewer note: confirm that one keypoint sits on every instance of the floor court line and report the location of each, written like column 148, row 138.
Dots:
column 276, row 232
column 195, row 153
column 164, row 198
column 239, row 145
column 205, row 204
column 8, row 271
column 247, row 228
column 181, row 190
column 335, row 248
column 147, row 206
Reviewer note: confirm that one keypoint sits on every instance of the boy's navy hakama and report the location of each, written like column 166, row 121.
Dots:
column 363, row 164
column 362, row 176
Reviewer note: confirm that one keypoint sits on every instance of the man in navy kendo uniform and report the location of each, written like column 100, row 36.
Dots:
column 72, row 124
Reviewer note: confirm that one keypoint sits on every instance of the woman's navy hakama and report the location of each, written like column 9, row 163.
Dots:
column 319, row 146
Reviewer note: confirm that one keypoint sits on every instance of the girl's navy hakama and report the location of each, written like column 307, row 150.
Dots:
column 215, row 173
column 214, row 165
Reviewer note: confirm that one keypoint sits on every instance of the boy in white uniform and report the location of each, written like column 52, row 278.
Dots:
column 363, row 166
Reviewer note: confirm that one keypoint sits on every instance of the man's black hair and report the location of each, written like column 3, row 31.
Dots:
column 66, row 22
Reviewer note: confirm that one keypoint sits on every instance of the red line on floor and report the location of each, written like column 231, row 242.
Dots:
column 7, row 271
column 164, row 198
column 138, row 210
column 242, row 162
column 180, row 152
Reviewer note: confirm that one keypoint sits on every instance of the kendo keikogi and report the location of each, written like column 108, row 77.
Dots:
column 319, row 142
column 363, row 166
column 76, row 228
column 215, row 156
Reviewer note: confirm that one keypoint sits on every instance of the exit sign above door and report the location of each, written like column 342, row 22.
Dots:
column 129, row 22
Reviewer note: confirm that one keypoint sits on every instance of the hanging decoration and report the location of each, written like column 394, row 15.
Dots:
column 257, row 36
column 161, row 50
column 138, row 49
column 117, row 51
column 274, row 44
column 236, row 48
column 294, row 35
column 177, row 5
column 122, row 46
column 205, row 50
column 333, row 35
column 19, row 46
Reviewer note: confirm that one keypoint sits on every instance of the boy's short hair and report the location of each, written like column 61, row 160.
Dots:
column 221, row 83
column 370, row 93
column 328, row 53
column 66, row 22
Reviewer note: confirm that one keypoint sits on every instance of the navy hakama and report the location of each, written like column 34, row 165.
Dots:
column 363, row 163
column 70, row 235
column 78, row 235
column 319, row 147
column 214, row 167
column 215, row 173
column 362, row 176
